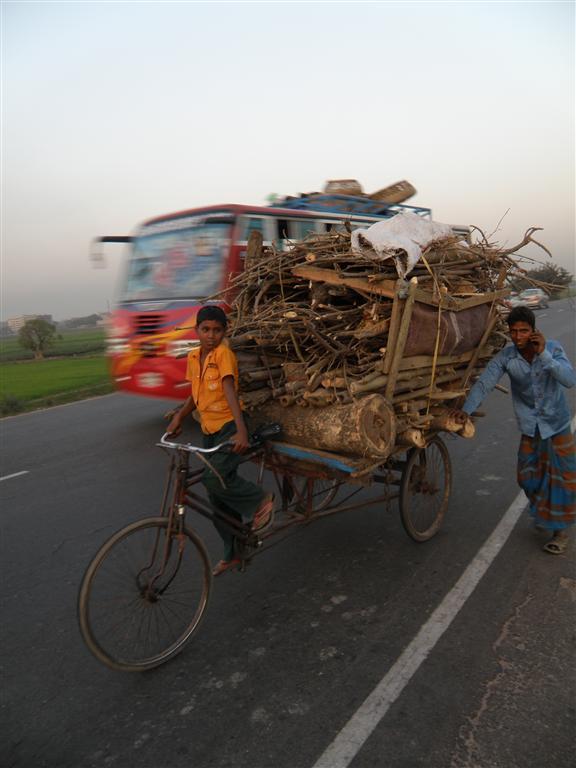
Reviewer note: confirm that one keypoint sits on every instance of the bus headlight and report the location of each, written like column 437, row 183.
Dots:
column 181, row 347
column 118, row 345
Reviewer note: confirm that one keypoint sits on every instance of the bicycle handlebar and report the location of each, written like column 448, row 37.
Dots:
column 189, row 447
column 263, row 433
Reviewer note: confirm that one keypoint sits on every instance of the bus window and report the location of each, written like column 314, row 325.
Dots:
column 292, row 230
column 185, row 263
column 298, row 230
column 252, row 225
column 281, row 229
column 340, row 225
column 281, row 234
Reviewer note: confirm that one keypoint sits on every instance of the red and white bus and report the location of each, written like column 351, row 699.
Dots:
column 178, row 260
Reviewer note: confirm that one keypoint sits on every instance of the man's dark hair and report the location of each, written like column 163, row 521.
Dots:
column 211, row 312
column 521, row 315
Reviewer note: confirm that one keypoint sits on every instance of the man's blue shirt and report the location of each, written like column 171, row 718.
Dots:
column 537, row 389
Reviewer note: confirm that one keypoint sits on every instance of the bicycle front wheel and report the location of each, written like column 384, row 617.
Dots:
column 144, row 595
column 425, row 490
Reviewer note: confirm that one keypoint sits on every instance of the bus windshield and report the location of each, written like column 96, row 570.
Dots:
column 180, row 263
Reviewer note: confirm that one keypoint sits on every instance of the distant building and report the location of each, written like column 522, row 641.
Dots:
column 15, row 323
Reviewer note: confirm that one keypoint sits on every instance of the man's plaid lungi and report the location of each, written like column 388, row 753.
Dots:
column 547, row 475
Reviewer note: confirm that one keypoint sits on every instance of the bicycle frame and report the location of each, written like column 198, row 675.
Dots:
column 299, row 507
column 175, row 555
column 183, row 499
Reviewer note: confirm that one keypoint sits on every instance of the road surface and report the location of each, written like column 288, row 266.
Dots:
column 294, row 664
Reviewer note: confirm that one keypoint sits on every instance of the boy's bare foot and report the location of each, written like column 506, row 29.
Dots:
column 225, row 565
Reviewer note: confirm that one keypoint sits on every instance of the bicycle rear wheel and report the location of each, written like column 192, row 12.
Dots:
column 319, row 492
column 144, row 595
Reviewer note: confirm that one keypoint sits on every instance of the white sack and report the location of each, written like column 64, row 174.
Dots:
column 402, row 238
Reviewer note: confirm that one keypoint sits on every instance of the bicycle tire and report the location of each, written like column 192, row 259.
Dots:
column 425, row 490
column 123, row 600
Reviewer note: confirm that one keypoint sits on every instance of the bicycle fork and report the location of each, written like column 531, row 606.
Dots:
column 174, row 532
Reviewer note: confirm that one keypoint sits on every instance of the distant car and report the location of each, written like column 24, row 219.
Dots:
column 509, row 302
column 533, row 298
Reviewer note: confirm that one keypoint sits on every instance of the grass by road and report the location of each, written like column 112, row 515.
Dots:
column 81, row 342
column 74, row 368
column 38, row 384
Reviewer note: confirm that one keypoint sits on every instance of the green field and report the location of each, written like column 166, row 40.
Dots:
column 27, row 385
column 82, row 342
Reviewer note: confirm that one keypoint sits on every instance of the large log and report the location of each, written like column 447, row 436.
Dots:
column 364, row 428
column 446, row 422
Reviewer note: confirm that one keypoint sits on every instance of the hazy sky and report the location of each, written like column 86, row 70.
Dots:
column 116, row 112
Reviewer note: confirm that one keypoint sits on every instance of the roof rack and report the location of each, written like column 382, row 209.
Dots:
column 316, row 201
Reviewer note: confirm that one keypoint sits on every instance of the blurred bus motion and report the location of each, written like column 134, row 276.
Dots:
column 177, row 261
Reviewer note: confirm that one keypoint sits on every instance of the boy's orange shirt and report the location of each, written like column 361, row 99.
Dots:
column 207, row 390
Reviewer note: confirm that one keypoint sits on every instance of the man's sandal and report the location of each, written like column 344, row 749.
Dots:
column 225, row 565
column 556, row 546
column 264, row 516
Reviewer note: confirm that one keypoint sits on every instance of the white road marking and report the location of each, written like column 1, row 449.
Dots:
column 357, row 730
column 16, row 474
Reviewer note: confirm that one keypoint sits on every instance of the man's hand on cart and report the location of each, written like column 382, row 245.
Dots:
column 459, row 416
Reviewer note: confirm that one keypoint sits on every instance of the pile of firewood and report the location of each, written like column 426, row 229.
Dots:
column 351, row 359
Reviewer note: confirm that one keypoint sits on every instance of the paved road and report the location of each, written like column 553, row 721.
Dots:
column 291, row 649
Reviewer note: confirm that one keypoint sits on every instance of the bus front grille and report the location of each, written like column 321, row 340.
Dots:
column 144, row 324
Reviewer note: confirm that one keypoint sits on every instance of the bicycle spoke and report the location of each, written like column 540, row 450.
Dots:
column 425, row 489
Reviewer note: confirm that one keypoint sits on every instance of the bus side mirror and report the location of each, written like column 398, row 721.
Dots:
column 96, row 254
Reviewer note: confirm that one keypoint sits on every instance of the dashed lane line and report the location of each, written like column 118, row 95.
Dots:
column 16, row 474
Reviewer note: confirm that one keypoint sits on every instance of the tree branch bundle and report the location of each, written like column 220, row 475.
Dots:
column 318, row 327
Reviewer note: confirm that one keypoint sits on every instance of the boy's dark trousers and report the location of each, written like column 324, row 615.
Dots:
column 237, row 497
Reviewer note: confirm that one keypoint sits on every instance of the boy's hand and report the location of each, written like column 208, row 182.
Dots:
column 175, row 427
column 241, row 441
column 538, row 341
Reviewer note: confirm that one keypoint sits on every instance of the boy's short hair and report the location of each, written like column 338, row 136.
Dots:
column 211, row 312
column 521, row 315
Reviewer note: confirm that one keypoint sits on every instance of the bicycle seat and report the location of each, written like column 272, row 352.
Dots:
column 265, row 432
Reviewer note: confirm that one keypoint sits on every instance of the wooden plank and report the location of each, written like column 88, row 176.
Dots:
column 484, row 298
column 425, row 392
column 395, row 318
column 331, row 277
column 457, row 305
column 388, row 288
column 425, row 361
column 492, row 319
column 332, row 460
column 446, row 301
column 402, row 336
